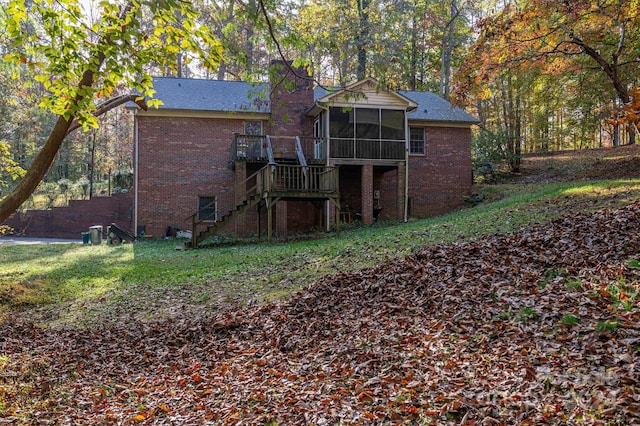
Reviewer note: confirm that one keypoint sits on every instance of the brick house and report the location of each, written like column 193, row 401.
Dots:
column 221, row 157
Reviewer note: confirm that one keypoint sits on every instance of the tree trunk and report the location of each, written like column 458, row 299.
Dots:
column 222, row 70
column 47, row 154
column 252, row 8
column 37, row 171
column 447, row 47
column 414, row 52
column 362, row 38
column 612, row 73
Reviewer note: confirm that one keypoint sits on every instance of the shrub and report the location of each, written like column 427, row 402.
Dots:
column 50, row 191
column 123, row 179
column 82, row 186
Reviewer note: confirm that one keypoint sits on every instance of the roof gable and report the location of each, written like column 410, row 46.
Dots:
column 364, row 93
column 429, row 107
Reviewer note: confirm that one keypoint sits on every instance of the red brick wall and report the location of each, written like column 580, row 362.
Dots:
column 386, row 181
column 280, row 218
column 290, row 100
column 440, row 180
column 304, row 216
column 179, row 159
column 70, row 222
column 367, row 194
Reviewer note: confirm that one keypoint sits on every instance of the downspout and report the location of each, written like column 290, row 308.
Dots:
column 406, row 168
column 325, row 131
column 136, row 173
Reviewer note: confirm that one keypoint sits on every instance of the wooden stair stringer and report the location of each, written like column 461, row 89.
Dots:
column 240, row 209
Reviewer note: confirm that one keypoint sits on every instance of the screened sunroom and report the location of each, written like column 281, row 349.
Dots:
column 363, row 123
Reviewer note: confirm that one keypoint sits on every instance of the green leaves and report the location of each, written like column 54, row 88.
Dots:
column 79, row 61
column 10, row 170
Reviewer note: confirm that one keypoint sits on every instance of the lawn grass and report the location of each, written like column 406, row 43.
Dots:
column 80, row 285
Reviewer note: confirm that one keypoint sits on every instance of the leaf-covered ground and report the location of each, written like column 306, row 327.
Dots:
column 541, row 326
column 621, row 162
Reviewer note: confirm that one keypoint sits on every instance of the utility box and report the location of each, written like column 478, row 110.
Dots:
column 95, row 233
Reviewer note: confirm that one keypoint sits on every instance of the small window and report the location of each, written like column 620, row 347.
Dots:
column 207, row 208
column 253, row 128
column 416, row 141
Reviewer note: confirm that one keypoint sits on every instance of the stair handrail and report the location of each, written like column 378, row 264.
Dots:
column 301, row 158
column 272, row 159
column 272, row 163
column 240, row 189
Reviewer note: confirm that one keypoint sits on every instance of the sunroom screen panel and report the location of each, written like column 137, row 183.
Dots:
column 392, row 124
column 367, row 123
column 341, row 122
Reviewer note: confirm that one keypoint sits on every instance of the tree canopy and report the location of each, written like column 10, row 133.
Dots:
column 540, row 74
column 87, row 67
column 582, row 37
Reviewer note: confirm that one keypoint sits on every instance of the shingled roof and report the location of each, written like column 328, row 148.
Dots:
column 211, row 95
column 432, row 107
column 237, row 96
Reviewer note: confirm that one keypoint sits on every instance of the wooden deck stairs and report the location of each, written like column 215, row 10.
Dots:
column 212, row 227
column 277, row 180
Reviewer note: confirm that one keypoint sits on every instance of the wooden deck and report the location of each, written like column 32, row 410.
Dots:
column 298, row 181
column 270, row 184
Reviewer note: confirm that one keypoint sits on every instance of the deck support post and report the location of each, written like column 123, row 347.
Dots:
column 367, row 194
column 336, row 203
column 271, row 202
column 269, row 220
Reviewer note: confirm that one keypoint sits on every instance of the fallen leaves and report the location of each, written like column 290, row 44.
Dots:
column 499, row 331
column 621, row 162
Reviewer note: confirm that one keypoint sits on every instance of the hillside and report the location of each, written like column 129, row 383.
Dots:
column 607, row 163
column 534, row 326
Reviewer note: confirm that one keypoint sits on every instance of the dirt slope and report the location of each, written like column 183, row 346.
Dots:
column 607, row 163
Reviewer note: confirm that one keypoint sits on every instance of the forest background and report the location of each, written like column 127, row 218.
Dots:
column 541, row 75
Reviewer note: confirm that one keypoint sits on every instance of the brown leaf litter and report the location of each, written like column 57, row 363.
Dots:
column 538, row 326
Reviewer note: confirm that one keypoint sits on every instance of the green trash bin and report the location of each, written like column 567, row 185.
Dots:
column 85, row 238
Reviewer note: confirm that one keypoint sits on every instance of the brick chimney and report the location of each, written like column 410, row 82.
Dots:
column 291, row 96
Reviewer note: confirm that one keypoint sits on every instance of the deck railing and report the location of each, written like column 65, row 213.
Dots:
column 367, row 149
column 248, row 147
column 255, row 148
column 310, row 179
